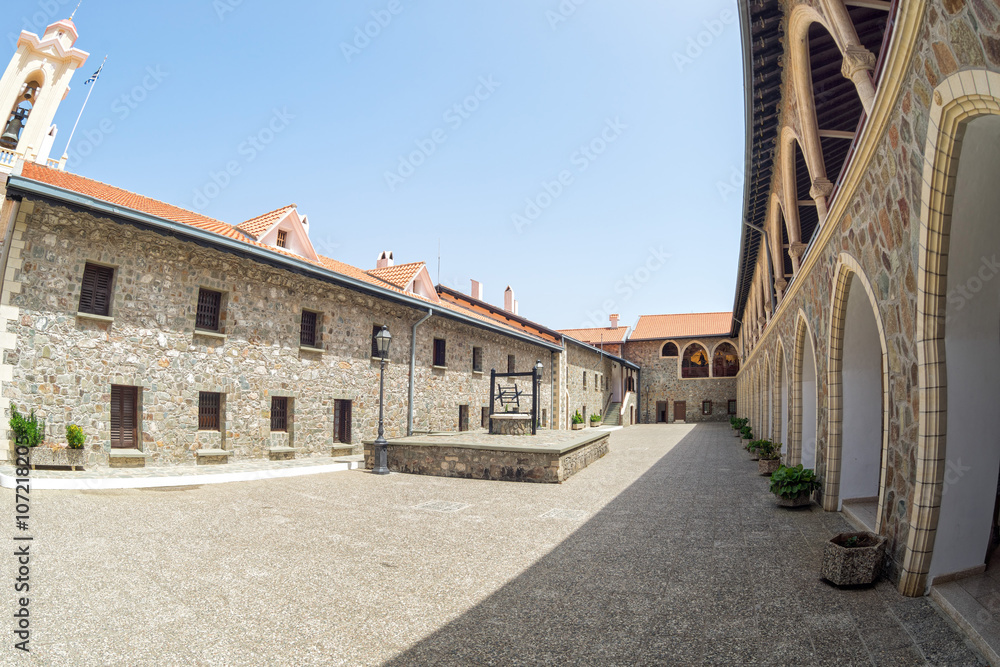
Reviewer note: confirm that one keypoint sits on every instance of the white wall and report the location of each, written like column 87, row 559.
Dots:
column 783, row 418
column 861, row 449
column 808, row 405
column 972, row 355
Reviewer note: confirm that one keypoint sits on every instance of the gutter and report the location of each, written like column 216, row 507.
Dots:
column 745, row 31
column 146, row 221
column 413, row 364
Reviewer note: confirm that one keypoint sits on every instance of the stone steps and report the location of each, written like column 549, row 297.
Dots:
column 612, row 416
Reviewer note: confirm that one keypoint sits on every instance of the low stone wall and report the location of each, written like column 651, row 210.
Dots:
column 455, row 460
column 510, row 424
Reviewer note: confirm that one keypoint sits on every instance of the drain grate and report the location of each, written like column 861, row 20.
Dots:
column 441, row 506
column 564, row 514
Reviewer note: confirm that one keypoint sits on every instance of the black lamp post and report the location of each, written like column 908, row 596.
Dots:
column 382, row 340
column 538, row 389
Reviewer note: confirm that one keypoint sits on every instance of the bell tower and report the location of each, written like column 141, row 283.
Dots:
column 34, row 83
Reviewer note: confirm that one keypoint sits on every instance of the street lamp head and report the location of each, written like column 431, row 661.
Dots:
column 382, row 340
column 539, row 367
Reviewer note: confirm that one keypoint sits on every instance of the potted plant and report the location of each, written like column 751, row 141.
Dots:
column 27, row 431
column 770, row 457
column 793, row 486
column 753, row 447
column 738, row 423
column 746, row 433
column 578, row 421
column 853, row 559
column 595, row 420
column 55, row 454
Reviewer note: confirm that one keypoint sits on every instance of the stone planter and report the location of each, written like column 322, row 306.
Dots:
column 594, row 424
column 57, row 456
column 853, row 566
column 802, row 500
column 579, row 427
column 754, row 456
column 767, row 466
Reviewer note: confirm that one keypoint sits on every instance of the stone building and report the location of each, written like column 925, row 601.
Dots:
column 689, row 365
column 866, row 306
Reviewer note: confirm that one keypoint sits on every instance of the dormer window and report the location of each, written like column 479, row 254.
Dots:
column 282, row 238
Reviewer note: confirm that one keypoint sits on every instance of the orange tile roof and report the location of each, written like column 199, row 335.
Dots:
column 130, row 200
column 124, row 198
column 255, row 227
column 689, row 325
column 400, row 275
column 597, row 335
column 495, row 314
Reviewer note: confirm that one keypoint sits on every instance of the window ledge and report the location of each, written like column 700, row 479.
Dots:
column 379, row 359
column 439, row 368
column 309, row 348
column 93, row 316
column 127, row 454
column 209, row 334
column 475, row 372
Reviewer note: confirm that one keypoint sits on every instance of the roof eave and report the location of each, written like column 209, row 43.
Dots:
column 746, row 37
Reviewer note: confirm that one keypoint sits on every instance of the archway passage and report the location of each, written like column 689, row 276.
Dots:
column 807, row 394
column 972, row 358
column 862, row 420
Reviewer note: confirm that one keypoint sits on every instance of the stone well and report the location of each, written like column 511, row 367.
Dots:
column 510, row 424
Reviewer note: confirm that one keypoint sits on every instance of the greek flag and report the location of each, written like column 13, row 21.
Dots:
column 95, row 75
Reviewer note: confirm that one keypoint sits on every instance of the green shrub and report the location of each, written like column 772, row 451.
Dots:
column 27, row 432
column 74, row 436
column 595, row 418
column 746, row 433
column 738, row 422
column 577, row 418
column 768, row 450
column 790, row 482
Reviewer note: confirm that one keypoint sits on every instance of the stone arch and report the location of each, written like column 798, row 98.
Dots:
column 664, row 349
column 804, row 397
column 728, row 371
column 781, row 397
column 684, row 355
column 847, row 274
column 766, row 404
column 957, row 101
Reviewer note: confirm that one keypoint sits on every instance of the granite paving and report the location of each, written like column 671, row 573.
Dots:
column 669, row 550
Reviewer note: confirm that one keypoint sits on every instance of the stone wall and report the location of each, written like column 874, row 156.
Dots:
column 661, row 381
column 590, row 398
column 64, row 364
column 880, row 229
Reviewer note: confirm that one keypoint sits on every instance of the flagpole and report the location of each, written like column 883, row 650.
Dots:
column 65, row 155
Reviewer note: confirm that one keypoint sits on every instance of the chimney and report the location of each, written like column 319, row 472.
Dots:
column 384, row 260
column 614, row 321
column 508, row 299
column 477, row 290
column 515, row 306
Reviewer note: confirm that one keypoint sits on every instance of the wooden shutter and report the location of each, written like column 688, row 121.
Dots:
column 282, row 238
column 485, row 417
column 279, row 413
column 95, row 290
column 209, row 305
column 510, row 363
column 337, row 409
column 307, row 333
column 345, row 416
column 209, row 404
column 439, row 352
column 124, row 417
column 375, row 330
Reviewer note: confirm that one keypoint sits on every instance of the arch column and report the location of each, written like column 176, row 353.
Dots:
column 859, row 62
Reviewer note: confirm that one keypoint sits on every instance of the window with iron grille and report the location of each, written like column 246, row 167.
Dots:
column 95, row 290
column 209, row 310
column 282, row 238
column 307, row 332
column 477, row 359
column 209, row 411
column 732, row 406
column 342, row 421
column 510, row 363
column 439, row 352
column 375, row 329
column 706, row 407
column 279, row 413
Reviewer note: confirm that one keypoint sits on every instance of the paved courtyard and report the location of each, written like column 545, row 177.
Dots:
column 669, row 550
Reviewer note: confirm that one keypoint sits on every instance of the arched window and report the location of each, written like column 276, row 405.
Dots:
column 630, row 384
column 669, row 350
column 726, row 363
column 695, row 362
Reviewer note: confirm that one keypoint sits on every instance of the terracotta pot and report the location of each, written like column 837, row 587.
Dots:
column 853, row 566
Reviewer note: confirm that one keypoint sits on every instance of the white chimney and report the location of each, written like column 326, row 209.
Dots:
column 477, row 290
column 515, row 306
column 508, row 299
column 614, row 321
column 384, row 260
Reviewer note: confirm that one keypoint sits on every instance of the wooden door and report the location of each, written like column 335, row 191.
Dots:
column 342, row 421
column 680, row 411
column 463, row 418
column 124, row 417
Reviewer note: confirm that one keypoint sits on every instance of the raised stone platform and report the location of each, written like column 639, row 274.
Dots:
column 549, row 457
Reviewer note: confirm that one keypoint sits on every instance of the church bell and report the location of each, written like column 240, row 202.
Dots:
column 13, row 130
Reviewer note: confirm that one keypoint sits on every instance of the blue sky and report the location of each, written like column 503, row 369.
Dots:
column 588, row 153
